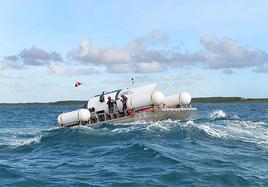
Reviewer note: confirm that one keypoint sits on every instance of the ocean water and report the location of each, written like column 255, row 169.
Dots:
column 222, row 145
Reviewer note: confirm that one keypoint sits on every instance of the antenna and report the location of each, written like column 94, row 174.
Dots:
column 132, row 81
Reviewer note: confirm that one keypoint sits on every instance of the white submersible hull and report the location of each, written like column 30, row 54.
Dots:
column 144, row 104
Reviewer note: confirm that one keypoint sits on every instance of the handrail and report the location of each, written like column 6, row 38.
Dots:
column 102, row 117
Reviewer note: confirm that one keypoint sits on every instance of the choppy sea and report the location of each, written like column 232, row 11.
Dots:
column 222, row 145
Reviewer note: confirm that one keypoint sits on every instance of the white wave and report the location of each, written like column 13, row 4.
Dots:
column 161, row 125
column 29, row 141
column 51, row 129
column 248, row 131
column 126, row 129
column 142, row 125
column 213, row 131
column 218, row 114
column 14, row 142
column 235, row 117
column 263, row 145
column 190, row 122
column 82, row 127
column 16, row 137
column 138, row 122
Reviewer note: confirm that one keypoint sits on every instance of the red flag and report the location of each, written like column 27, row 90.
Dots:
column 77, row 84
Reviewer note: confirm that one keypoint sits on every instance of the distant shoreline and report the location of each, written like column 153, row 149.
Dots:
column 194, row 100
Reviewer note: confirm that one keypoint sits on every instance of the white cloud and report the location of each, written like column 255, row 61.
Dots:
column 62, row 70
column 86, row 71
column 155, row 37
column 97, row 56
column 125, row 68
column 261, row 69
column 227, row 71
column 227, row 53
column 141, row 55
column 31, row 56
column 11, row 62
column 147, row 54
column 134, row 57
column 36, row 56
column 58, row 70
column 149, row 67
column 143, row 67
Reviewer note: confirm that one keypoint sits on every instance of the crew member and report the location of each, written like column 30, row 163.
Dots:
column 93, row 115
column 124, row 102
column 111, row 104
column 102, row 99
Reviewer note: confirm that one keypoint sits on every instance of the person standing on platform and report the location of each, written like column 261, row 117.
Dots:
column 124, row 102
column 111, row 104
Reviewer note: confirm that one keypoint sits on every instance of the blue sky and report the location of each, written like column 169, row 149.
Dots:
column 208, row 48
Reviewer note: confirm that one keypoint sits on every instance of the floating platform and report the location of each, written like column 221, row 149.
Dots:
column 143, row 103
column 174, row 114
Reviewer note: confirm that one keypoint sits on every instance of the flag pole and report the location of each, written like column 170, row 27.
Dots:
column 132, row 81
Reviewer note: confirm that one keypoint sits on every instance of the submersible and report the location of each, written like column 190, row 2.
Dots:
column 144, row 103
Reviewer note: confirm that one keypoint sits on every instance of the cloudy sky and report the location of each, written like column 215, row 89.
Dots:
column 208, row 48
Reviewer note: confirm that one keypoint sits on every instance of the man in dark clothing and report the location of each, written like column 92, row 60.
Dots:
column 111, row 104
column 124, row 102
column 102, row 97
